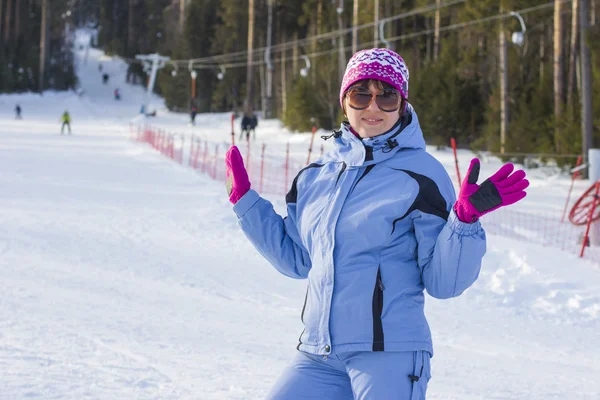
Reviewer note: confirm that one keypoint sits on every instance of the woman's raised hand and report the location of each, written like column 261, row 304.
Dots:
column 237, row 183
column 503, row 188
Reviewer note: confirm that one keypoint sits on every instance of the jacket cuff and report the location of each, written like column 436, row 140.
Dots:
column 462, row 228
column 245, row 203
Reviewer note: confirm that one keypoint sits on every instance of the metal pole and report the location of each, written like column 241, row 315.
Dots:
column 503, row 86
column 586, row 81
column 436, row 35
column 158, row 62
column 269, row 91
column 376, row 26
column 355, row 27
column 43, row 43
column 249, row 109
column 342, row 54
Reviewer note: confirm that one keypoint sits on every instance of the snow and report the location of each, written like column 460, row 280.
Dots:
column 125, row 275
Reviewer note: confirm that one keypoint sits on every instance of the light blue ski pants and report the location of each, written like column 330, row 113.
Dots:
column 363, row 375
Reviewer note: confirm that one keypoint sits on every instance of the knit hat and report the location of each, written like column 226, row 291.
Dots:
column 381, row 64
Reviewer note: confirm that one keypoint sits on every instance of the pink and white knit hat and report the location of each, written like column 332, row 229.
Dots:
column 381, row 64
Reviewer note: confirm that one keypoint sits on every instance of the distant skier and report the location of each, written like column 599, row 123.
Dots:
column 66, row 120
column 249, row 124
column 117, row 94
column 18, row 112
column 100, row 67
column 105, row 78
column 193, row 112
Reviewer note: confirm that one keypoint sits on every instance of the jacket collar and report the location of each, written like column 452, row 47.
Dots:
column 366, row 151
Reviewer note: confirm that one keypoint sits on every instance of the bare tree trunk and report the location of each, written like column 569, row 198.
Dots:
column 428, row 47
column 416, row 65
column 558, row 69
column 593, row 12
column 295, row 52
column 130, row 47
column 7, row 19
column 17, row 19
column 319, row 16
column 573, row 53
column 503, row 70
column 542, row 53
column 436, row 37
column 586, row 84
column 182, row 5
column 283, row 80
column 263, row 86
column 269, row 66
column 376, row 27
column 355, row 27
column 388, row 27
column 44, row 42
column 1, row 37
column 483, row 66
column 249, row 109
column 342, row 54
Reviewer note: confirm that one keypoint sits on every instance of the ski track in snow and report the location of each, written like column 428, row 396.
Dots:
column 124, row 275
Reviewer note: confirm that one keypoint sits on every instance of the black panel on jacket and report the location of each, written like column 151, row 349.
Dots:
column 429, row 200
column 378, row 337
column 367, row 170
column 292, row 195
column 341, row 172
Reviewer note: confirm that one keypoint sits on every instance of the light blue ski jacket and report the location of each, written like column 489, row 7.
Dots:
column 371, row 225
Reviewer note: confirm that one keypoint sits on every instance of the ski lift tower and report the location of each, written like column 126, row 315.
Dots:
column 152, row 62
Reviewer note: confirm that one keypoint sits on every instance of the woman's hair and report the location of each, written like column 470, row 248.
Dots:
column 380, row 85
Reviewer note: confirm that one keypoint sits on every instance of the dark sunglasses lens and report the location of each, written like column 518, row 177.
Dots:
column 359, row 99
column 389, row 100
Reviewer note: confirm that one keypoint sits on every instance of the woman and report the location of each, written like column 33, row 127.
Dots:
column 371, row 225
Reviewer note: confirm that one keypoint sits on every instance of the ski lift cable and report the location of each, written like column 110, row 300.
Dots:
column 234, row 64
column 396, row 38
column 290, row 44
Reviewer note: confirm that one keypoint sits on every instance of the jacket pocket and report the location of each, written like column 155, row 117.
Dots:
column 378, row 340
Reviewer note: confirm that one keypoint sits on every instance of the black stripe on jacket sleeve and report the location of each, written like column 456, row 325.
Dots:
column 292, row 195
column 429, row 200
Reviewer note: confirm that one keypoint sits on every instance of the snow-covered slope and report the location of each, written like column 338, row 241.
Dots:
column 124, row 275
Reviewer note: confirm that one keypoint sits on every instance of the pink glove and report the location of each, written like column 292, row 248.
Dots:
column 238, row 183
column 501, row 189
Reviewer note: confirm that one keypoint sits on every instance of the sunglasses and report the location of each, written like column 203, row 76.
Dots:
column 360, row 98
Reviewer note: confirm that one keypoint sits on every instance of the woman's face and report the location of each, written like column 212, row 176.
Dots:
column 371, row 121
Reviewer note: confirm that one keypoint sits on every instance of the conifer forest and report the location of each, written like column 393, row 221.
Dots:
column 510, row 76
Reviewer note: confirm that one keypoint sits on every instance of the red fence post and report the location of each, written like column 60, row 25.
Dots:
column 453, row 143
column 190, row 158
column 248, row 156
column 589, row 224
column 312, row 138
column 262, row 167
column 287, row 168
column 181, row 149
column 204, row 161
column 214, row 174
column 573, row 177
column 232, row 130
column 196, row 154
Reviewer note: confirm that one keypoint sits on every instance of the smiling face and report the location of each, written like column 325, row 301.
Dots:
column 372, row 121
